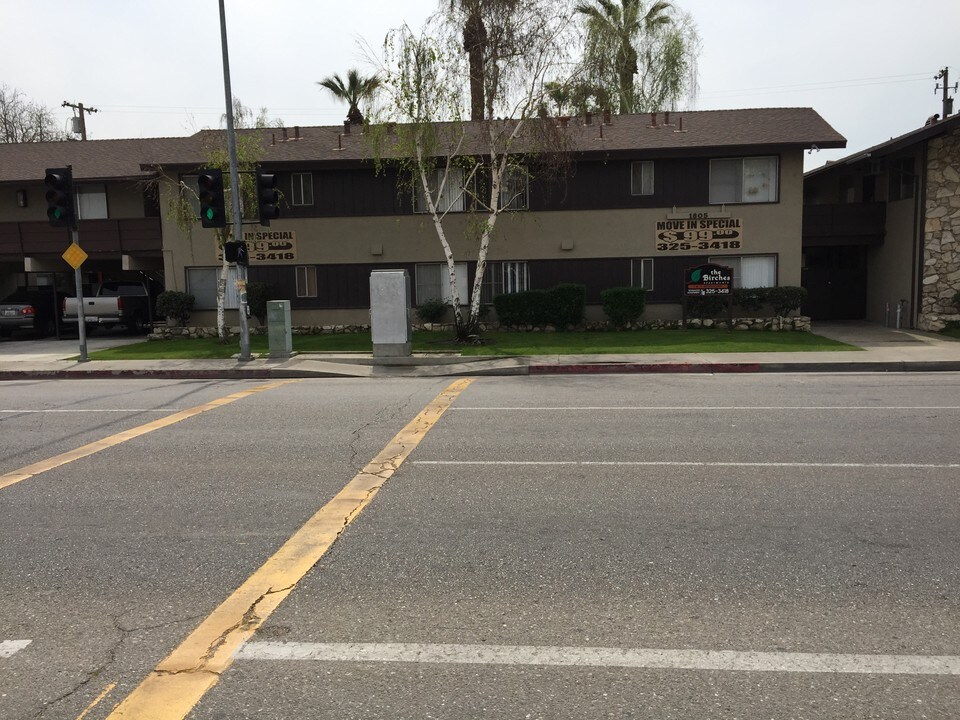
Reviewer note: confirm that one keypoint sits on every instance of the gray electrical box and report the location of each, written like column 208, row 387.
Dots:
column 390, row 313
column 279, row 333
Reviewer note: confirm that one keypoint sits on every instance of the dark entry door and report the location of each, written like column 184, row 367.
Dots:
column 836, row 281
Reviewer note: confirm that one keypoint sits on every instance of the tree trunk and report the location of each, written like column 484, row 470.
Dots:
column 475, row 43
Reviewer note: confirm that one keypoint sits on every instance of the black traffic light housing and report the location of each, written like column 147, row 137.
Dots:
column 213, row 213
column 236, row 252
column 268, row 198
column 59, row 182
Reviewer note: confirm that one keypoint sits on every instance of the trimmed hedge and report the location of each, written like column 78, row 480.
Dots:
column 432, row 310
column 560, row 306
column 623, row 305
column 175, row 304
column 782, row 300
column 257, row 295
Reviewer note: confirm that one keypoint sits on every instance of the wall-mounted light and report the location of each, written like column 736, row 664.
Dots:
column 21, row 198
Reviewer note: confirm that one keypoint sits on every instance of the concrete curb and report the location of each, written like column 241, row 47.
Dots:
column 429, row 370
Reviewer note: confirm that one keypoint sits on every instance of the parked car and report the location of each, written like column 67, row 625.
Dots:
column 29, row 309
column 127, row 303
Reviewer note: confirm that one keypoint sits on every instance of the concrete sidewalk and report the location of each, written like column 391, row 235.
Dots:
column 882, row 350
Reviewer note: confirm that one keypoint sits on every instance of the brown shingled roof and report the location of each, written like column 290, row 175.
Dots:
column 702, row 130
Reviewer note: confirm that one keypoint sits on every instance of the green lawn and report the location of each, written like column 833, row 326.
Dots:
column 951, row 332
column 501, row 343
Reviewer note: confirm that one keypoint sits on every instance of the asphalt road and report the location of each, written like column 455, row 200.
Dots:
column 565, row 547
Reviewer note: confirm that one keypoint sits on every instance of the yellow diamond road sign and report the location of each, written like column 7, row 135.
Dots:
column 74, row 256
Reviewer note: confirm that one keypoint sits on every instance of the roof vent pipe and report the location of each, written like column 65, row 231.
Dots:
column 296, row 132
column 653, row 120
column 285, row 135
column 666, row 118
column 607, row 117
column 273, row 138
column 588, row 118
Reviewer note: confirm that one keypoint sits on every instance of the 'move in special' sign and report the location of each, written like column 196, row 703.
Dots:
column 708, row 280
column 700, row 233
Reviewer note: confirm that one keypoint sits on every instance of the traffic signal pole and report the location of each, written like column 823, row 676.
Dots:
column 235, row 191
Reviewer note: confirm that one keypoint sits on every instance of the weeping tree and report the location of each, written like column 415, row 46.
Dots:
column 451, row 165
column 354, row 90
column 642, row 55
column 249, row 147
column 23, row 120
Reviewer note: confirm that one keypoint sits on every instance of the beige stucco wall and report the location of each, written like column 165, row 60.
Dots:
column 767, row 228
column 888, row 266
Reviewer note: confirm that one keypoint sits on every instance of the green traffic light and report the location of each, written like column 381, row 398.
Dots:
column 210, row 214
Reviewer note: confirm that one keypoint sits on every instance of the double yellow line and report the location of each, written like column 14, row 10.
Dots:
column 178, row 683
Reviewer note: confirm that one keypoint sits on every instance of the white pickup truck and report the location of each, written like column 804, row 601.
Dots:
column 126, row 303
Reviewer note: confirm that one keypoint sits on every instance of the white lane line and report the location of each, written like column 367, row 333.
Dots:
column 605, row 657
column 9, row 647
column 692, row 463
column 112, row 410
column 705, row 408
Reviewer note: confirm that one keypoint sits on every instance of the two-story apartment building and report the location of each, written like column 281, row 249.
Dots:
column 644, row 197
column 880, row 230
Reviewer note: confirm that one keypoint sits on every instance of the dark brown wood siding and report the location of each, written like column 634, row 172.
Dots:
column 348, row 286
column 347, row 193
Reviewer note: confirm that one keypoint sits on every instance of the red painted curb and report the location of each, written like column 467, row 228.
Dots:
column 644, row 368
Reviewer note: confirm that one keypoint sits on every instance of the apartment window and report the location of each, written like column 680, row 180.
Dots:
column 504, row 277
column 301, row 189
column 306, row 281
column 453, row 194
column 750, row 271
column 202, row 284
column 91, row 201
column 433, row 282
column 743, row 180
column 641, row 273
column 901, row 179
column 514, row 189
column 641, row 177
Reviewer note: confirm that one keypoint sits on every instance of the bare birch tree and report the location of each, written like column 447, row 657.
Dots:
column 476, row 166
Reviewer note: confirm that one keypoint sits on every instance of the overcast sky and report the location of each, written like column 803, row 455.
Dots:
column 152, row 68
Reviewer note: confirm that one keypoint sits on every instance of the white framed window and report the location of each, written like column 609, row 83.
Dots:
column 641, row 273
column 516, row 277
column 453, row 199
column 433, row 282
column 301, row 189
column 501, row 277
column 306, row 281
column 202, row 284
column 641, row 177
column 750, row 271
column 91, row 201
column 743, row 180
column 515, row 189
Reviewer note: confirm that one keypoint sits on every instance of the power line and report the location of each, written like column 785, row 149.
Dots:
column 830, row 84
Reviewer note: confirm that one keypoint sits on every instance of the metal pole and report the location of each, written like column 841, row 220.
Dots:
column 235, row 189
column 81, row 318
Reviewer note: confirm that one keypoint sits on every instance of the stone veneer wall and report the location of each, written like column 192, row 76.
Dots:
column 941, row 254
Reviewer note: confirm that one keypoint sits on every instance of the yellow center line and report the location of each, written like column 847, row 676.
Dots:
column 24, row 473
column 178, row 683
column 96, row 702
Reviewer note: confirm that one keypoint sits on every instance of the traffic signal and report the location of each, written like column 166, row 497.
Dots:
column 59, row 182
column 236, row 252
column 212, row 211
column 267, row 197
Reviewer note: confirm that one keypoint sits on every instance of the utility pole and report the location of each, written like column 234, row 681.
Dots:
column 82, row 110
column 947, row 101
column 235, row 192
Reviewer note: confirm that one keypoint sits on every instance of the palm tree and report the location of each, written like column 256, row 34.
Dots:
column 613, row 30
column 356, row 89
